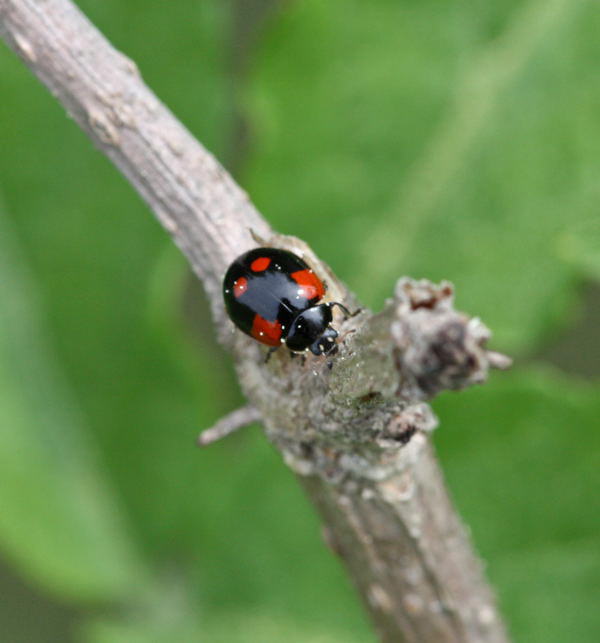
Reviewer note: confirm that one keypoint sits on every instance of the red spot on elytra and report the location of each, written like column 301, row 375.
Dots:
column 260, row 264
column 265, row 331
column 240, row 286
column 312, row 287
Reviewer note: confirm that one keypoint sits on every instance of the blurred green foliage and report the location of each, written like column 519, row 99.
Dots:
column 443, row 140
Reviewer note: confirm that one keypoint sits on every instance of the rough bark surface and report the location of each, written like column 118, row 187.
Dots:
column 355, row 428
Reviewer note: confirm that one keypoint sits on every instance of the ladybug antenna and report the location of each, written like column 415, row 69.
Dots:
column 346, row 312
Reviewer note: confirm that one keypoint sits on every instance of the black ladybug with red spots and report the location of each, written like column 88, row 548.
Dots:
column 273, row 296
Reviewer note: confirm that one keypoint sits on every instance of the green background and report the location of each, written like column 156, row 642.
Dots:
column 444, row 140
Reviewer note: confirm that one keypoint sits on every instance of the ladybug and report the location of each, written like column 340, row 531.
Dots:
column 273, row 296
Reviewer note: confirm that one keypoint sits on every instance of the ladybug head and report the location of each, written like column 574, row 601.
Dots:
column 325, row 344
column 311, row 330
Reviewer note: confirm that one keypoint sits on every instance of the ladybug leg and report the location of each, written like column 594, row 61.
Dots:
column 270, row 352
column 257, row 238
column 302, row 356
column 344, row 335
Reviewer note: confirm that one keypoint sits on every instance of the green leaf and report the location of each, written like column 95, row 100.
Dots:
column 59, row 517
column 427, row 140
column 521, row 456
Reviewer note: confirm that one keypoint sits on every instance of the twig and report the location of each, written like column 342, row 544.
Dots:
column 346, row 432
column 229, row 424
column 499, row 361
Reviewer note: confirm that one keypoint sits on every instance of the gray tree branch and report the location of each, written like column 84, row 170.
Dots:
column 354, row 431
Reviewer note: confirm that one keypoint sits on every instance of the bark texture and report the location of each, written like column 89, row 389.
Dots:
column 354, row 429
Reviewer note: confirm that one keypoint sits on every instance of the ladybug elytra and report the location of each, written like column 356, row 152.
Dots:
column 273, row 296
